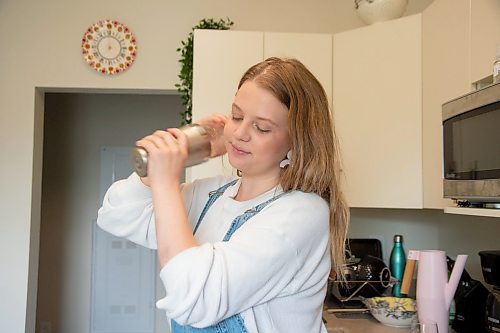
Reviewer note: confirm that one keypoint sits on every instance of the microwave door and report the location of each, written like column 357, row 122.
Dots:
column 471, row 147
column 472, row 144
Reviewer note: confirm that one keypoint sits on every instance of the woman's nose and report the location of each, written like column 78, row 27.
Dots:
column 242, row 131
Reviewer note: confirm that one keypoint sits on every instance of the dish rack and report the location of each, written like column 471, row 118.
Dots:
column 366, row 274
column 337, row 289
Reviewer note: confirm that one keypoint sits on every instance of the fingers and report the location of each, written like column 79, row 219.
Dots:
column 172, row 138
column 221, row 119
column 214, row 120
column 179, row 136
column 167, row 152
column 151, row 143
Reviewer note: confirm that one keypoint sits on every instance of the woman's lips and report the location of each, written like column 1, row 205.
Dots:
column 239, row 150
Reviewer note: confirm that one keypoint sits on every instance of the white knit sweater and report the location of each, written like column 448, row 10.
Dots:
column 273, row 271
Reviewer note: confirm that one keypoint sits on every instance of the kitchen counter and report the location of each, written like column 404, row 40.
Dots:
column 357, row 323
column 353, row 322
column 360, row 323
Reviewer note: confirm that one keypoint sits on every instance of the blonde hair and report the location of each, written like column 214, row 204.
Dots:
column 315, row 161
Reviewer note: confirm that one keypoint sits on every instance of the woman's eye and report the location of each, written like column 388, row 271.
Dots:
column 235, row 118
column 261, row 129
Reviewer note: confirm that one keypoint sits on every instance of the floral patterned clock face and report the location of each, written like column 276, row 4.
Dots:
column 109, row 47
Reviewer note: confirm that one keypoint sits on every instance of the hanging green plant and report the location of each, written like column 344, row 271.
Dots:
column 185, row 87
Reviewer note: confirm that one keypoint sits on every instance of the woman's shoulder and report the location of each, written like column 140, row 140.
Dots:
column 307, row 200
column 301, row 218
column 297, row 206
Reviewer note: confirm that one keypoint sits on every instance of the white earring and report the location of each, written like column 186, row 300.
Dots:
column 286, row 161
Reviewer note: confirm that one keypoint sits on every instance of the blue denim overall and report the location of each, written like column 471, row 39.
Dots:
column 233, row 324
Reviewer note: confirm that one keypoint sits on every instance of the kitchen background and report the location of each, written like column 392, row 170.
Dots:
column 45, row 236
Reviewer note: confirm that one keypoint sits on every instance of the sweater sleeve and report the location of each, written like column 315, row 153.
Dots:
column 127, row 212
column 127, row 208
column 278, row 252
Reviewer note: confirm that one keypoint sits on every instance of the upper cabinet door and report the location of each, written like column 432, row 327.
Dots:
column 313, row 50
column 220, row 58
column 484, row 35
column 377, row 96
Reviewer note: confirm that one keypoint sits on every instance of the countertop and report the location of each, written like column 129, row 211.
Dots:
column 353, row 322
column 357, row 323
column 361, row 324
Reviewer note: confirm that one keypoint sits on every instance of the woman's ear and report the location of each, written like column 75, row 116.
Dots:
column 287, row 160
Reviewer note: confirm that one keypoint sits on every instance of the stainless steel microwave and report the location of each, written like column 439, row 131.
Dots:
column 471, row 148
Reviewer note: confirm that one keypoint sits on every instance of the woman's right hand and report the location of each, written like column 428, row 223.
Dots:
column 167, row 152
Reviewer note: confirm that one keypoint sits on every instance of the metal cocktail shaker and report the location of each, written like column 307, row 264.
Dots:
column 201, row 141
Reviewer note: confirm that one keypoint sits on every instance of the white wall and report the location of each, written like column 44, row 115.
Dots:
column 41, row 48
column 429, row 229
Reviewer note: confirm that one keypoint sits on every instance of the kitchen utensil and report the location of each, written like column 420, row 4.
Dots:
column 360, row 247
column 424, row 327
column 409, row 270
column 392, row 311
column 434, row 291
column 470, row 304
column 397, row 263
column 367, row 277
column 201, row 141
column 490, row 264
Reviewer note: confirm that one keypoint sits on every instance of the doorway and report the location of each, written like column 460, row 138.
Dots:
column 76, row 127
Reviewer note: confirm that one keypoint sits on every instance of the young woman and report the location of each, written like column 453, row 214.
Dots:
column 251, row 253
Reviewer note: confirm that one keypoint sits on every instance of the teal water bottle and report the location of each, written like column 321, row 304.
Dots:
column 397, row 264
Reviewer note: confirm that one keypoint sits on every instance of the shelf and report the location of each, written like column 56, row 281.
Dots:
column 473, row 211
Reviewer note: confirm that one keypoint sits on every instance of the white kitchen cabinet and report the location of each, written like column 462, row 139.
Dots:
column 445, row 75
column 377, row 95
column 386, row 83
column 484, row 35
column 390, row 81
column 377, row 99
column 313, row 50
column 455, row 55
column 221, row 58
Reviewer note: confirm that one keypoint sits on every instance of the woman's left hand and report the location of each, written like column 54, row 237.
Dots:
column 167, row 154
column 217, row 122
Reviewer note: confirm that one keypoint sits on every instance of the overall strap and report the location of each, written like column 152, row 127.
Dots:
column 212, row 196
column 234, row 323
column 241, row 219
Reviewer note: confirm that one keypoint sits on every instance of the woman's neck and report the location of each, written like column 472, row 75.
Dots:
column 252, row 187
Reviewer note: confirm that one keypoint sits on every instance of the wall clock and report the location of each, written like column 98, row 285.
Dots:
column 109, row 47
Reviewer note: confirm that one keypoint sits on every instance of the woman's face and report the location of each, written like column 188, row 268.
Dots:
column 256, row 133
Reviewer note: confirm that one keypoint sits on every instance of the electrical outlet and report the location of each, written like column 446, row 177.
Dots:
column 45, row 327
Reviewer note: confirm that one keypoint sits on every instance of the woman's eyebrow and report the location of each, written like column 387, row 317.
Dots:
column 235, row 106
column 268, row 120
